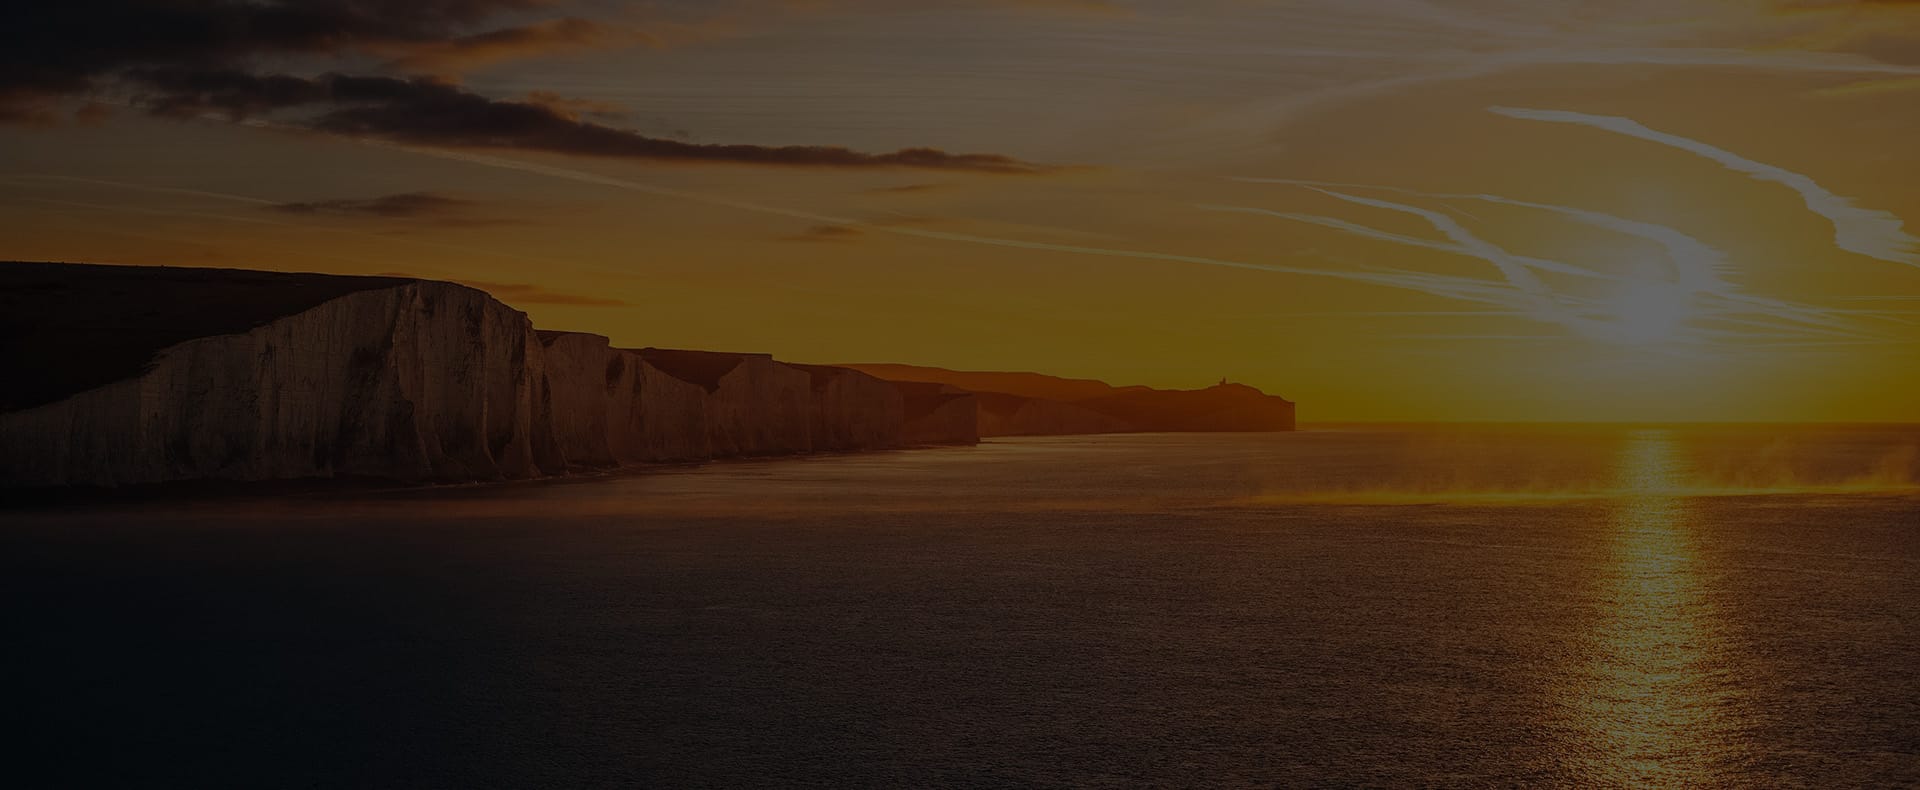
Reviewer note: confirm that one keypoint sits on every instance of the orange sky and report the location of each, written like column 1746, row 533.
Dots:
column 1384, row 209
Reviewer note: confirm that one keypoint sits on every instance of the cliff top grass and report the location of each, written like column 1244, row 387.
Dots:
column 68, row 327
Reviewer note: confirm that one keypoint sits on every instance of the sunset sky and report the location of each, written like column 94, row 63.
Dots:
column 1383, row 209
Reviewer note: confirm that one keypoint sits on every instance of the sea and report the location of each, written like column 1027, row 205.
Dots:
column 1345, row 606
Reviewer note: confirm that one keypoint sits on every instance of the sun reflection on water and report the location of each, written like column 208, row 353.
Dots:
column 1649, row 716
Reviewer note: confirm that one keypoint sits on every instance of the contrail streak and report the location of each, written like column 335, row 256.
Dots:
column 1437, row 285
column 1540, row 301
column 1869, row 232
column 1698, row 266
column 1430, row 69
column 1363, row 231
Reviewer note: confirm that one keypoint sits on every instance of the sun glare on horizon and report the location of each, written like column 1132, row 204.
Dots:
column 1648, row 311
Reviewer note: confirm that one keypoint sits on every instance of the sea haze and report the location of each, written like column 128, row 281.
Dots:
column 1593, row 606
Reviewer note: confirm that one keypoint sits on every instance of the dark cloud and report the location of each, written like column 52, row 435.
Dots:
column 827, row 233
column 431, row 112
column 577, row 107
column 406, row 205
column 66, row 46
column 1897, row 50
column 907, row 189
column 190, row 58
column 567, row 34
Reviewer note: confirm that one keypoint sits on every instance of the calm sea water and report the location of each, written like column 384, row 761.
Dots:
column 1733, row 607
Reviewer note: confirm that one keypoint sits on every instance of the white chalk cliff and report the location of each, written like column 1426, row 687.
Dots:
column 422, row 381
column 130, row 375
column 383, row 378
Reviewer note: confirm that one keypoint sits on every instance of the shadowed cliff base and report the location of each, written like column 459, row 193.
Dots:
column 139, row 375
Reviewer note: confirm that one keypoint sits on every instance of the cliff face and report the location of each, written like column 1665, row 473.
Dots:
column 673, row 413
column 312, row 377
column 851, row 410
column 612, row 408
column 1225, row 407
column 419, row 381
column 1031, row 404
column 1013, row 415
column 754, row 405
column 593, row 397
column 939, row 414
column 619, row 406
column 132, row 375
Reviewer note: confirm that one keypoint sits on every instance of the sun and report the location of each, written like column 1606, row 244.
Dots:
column 1646, row 311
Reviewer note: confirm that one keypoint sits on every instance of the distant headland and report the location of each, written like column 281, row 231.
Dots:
column 133, row 375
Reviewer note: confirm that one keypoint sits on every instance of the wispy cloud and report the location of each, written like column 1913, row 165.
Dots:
column 1367, row 232
column 432, row 206
column 254, row 219
column 1697, row 268
column 827, row 233
column 1513, row 291
column 1538, row 297
column 1870, row 88
column 1410, row 66
column 1697, row 265
column 454, row 54
column 1870, row 232
column 909, row 189
column 1458, row 288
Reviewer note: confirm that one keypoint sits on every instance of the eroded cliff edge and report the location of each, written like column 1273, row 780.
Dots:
column 133, row 375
